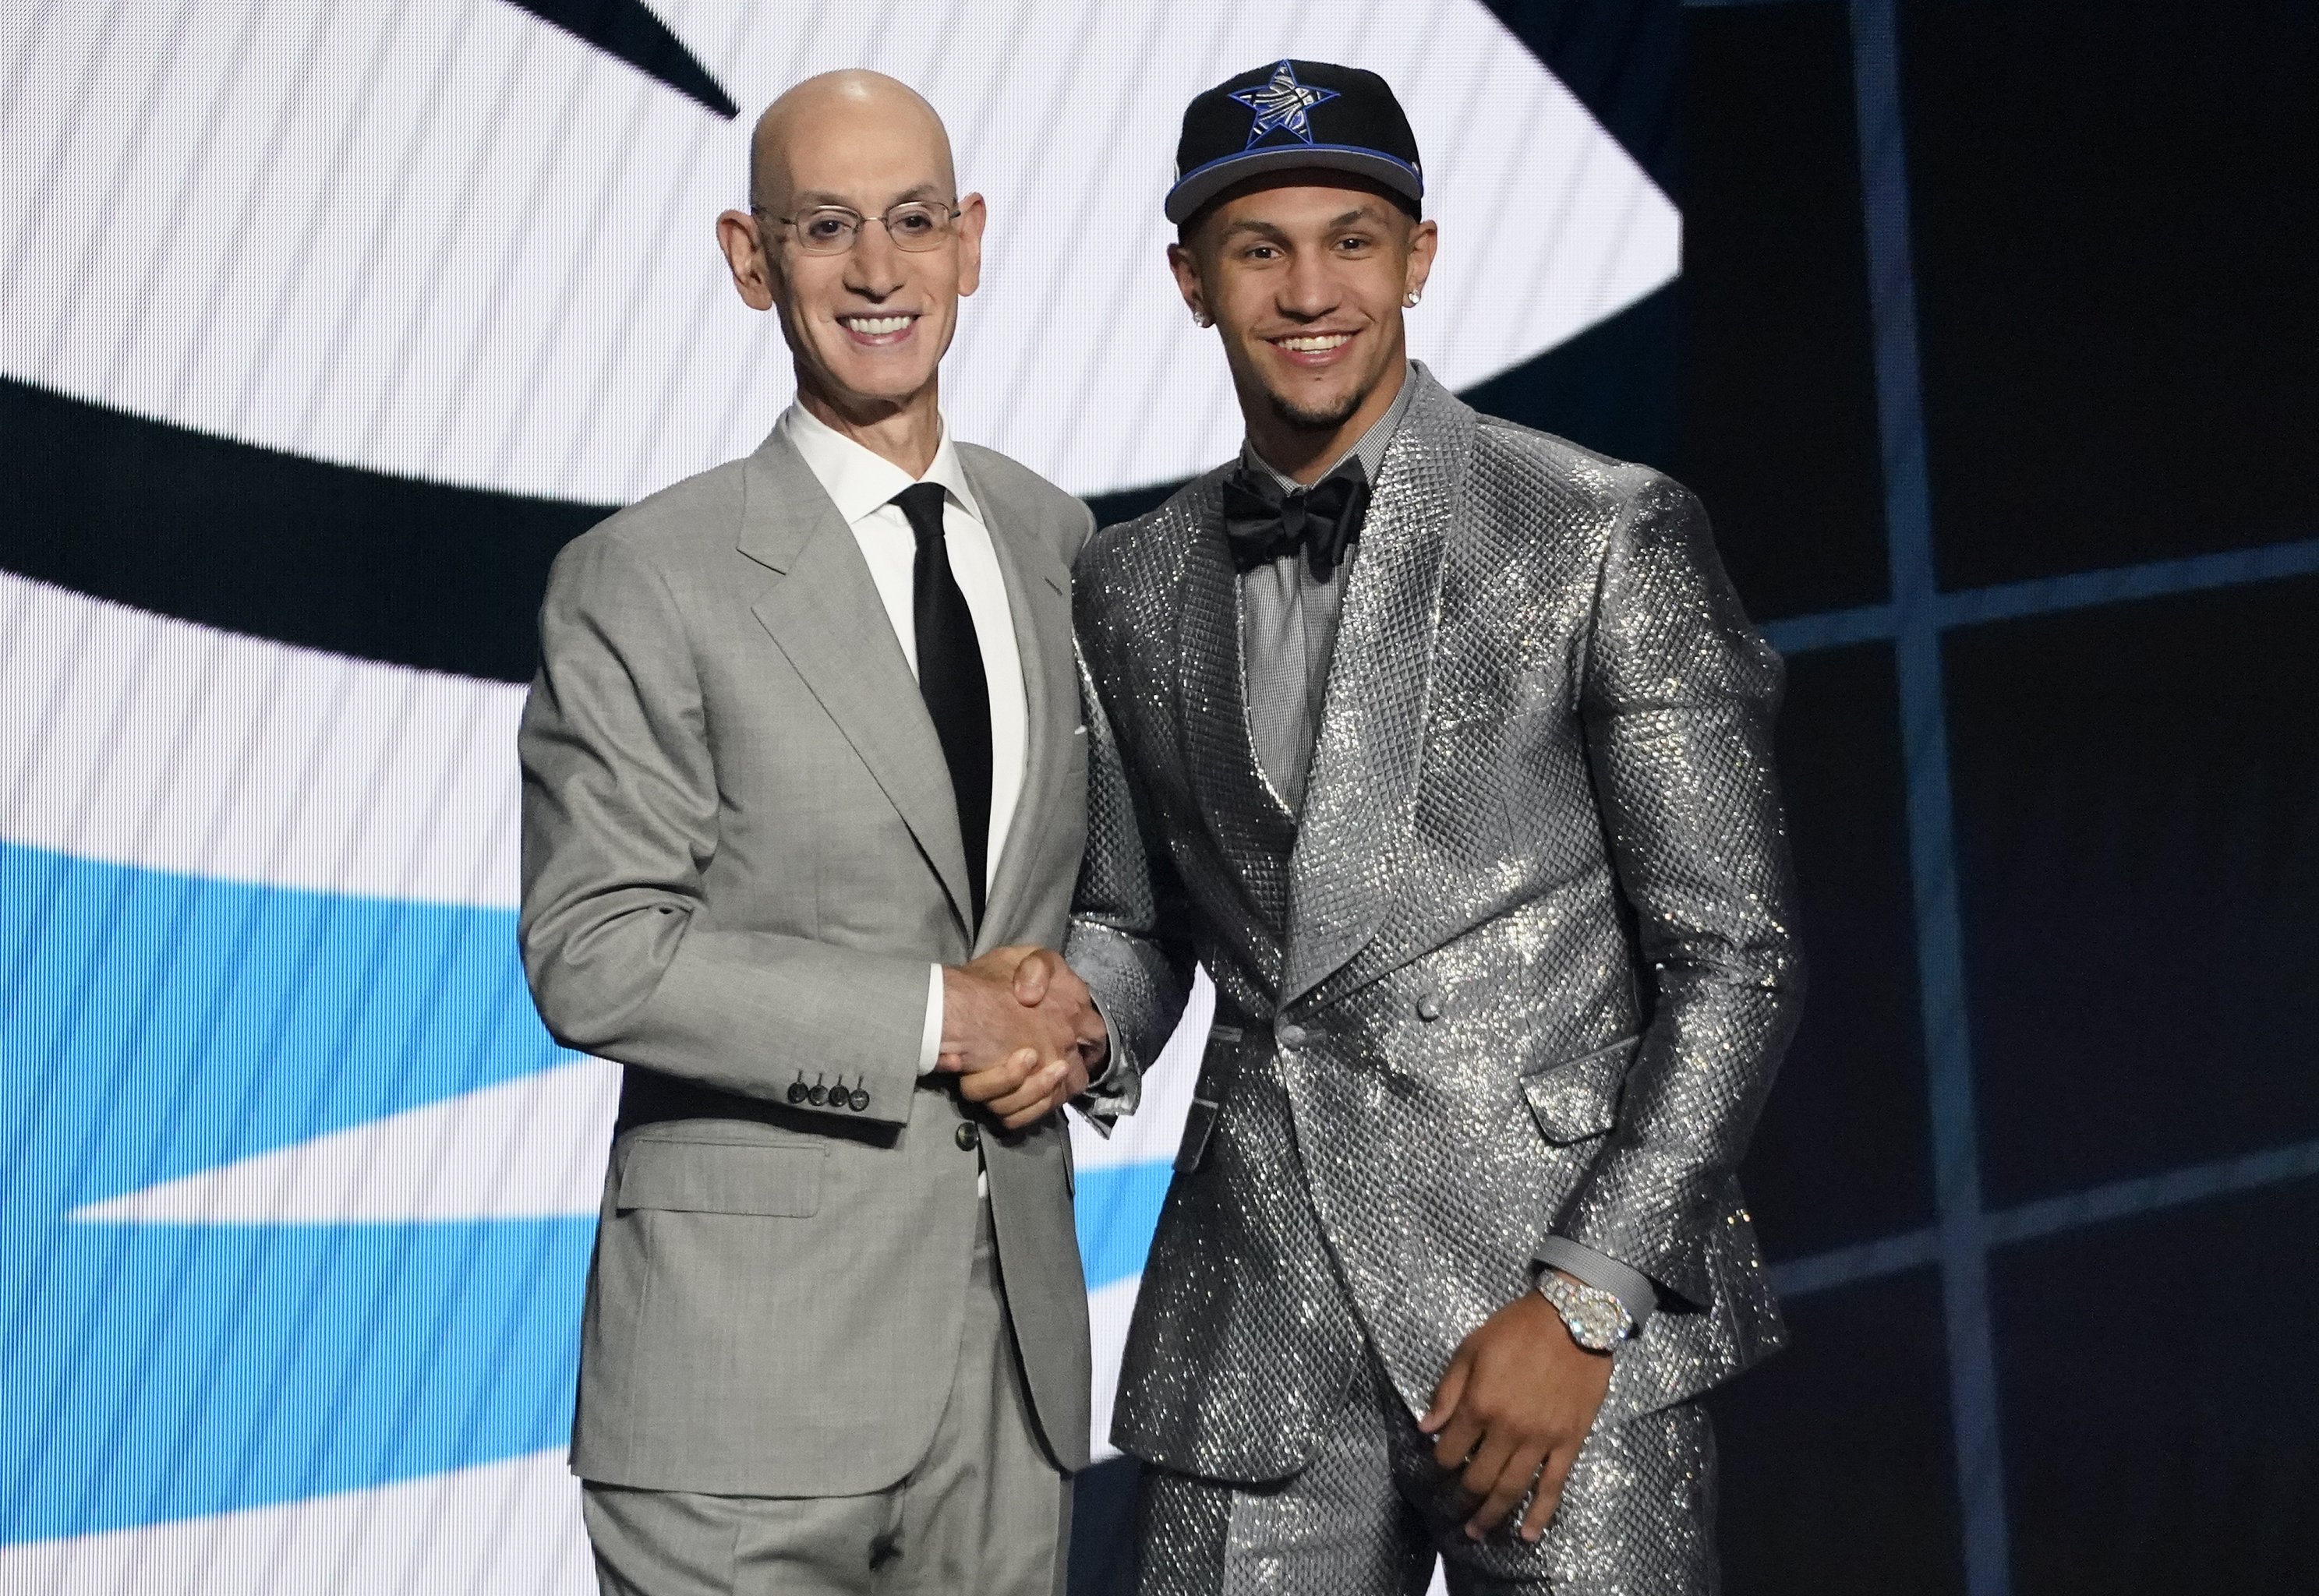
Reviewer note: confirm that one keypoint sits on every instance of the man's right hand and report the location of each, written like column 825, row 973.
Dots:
column 1019, row 1061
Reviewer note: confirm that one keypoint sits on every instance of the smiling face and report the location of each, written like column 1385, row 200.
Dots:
column 1304, row 278
column 867, row 327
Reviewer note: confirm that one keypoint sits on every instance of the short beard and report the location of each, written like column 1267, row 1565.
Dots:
column 1297, row 416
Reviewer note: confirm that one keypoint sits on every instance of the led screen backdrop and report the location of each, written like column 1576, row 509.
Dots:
column 325, row 325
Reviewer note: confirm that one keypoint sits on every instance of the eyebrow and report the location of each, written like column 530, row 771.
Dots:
column 1264, row 228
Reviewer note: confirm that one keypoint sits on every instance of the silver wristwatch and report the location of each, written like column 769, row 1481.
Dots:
column 1597, row 1320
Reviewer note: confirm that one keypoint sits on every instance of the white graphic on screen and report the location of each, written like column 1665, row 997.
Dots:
column 450, row 242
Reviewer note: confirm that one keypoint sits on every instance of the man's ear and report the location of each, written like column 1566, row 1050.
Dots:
column 744, row 254
column 972, row 217
column 1424, row 239
column 1186, row 267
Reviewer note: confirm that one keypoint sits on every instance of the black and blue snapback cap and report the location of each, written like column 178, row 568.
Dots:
column 1291, row 115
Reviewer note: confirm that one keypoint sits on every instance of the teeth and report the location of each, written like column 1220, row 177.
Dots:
column 875, row 326
column 1316, row 343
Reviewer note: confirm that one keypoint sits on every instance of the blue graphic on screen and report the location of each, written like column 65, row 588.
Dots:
column 162, row 1025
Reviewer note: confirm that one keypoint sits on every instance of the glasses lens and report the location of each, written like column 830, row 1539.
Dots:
column 826, row 232
column 917, row 227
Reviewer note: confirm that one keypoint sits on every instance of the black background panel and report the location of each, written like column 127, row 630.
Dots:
column 1835, row 1457
column 2115, row 232
column 2161, row 1425
column 1840, row 1155
column 2137, row 792
column 1778, row 413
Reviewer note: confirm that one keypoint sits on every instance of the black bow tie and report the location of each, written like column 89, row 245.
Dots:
column 1267, row 521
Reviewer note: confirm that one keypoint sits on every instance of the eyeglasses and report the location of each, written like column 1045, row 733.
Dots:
column 916, row 225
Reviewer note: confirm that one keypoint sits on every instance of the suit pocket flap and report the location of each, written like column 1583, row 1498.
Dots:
column 722, row 1177
column 1579, row 1097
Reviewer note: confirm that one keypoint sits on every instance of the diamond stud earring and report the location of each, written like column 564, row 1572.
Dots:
column 1409, row 300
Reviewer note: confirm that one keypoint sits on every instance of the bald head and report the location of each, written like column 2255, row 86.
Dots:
column 854, row 110
column 867, row 312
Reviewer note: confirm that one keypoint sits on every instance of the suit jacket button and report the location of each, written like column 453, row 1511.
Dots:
column 796, row 1091
column 818, row 1094
column 1291, row 1036
column 1429, row 1007
column 859, row 1100
column 969, row 1136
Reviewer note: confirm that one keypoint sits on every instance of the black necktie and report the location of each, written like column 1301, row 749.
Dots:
column 950, row 679
column 1266, row 520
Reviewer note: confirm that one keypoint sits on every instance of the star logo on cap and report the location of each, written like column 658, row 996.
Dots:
column 1281, row 103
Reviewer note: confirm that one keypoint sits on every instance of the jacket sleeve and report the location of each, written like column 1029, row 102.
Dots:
column 1677, row 696
column 1127, row 939
column 619, row 822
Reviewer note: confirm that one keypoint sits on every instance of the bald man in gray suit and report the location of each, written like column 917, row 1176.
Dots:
column 804, row 786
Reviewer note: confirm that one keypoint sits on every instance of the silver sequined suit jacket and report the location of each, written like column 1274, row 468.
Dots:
column 1526, row 966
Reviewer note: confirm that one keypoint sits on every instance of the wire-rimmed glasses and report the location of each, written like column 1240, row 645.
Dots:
column 916, row 225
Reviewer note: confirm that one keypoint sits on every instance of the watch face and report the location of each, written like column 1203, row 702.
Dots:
column 1595, row 1320
column 1598, row 1325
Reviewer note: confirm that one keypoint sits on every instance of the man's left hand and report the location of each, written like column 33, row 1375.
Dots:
column 1513, row 1409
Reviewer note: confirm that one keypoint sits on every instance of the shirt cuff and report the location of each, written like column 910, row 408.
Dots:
column 1115, row 1089
column 930, row 1038
column 1110, row 1045
column 1632, row 1286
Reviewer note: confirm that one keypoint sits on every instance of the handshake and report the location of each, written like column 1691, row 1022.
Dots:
column 1021, row 1032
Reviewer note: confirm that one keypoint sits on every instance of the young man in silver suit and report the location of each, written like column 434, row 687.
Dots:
column 1446, row 747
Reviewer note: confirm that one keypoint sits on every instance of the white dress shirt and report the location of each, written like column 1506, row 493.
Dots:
column 862, row 485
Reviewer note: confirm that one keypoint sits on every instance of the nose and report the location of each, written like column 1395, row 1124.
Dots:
column 1308, row 291
column 873, row 267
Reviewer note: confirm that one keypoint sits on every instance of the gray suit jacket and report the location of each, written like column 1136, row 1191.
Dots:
column 740, row 854
column 1526, row 966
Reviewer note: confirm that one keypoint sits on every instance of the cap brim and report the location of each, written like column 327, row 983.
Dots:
column 1197, row 186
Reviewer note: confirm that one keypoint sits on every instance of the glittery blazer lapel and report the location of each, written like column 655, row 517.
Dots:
column 1362, row 794
column 1252, row 831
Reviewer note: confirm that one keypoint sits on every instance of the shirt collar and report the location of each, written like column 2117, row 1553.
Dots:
column 1370, row 446
column 861, row 482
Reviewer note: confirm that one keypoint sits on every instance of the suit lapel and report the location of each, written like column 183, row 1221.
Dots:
column 1039, row 603
column 1369, row 751
column 1251, row 830
column 826, row 616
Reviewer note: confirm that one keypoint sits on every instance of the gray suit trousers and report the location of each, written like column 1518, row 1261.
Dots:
column 985, row 1510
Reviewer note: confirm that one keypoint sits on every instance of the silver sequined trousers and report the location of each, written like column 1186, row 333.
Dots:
column 1372, row 1511
column 1524, row 965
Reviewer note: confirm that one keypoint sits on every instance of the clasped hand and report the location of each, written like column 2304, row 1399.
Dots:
column 1021, row 1032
